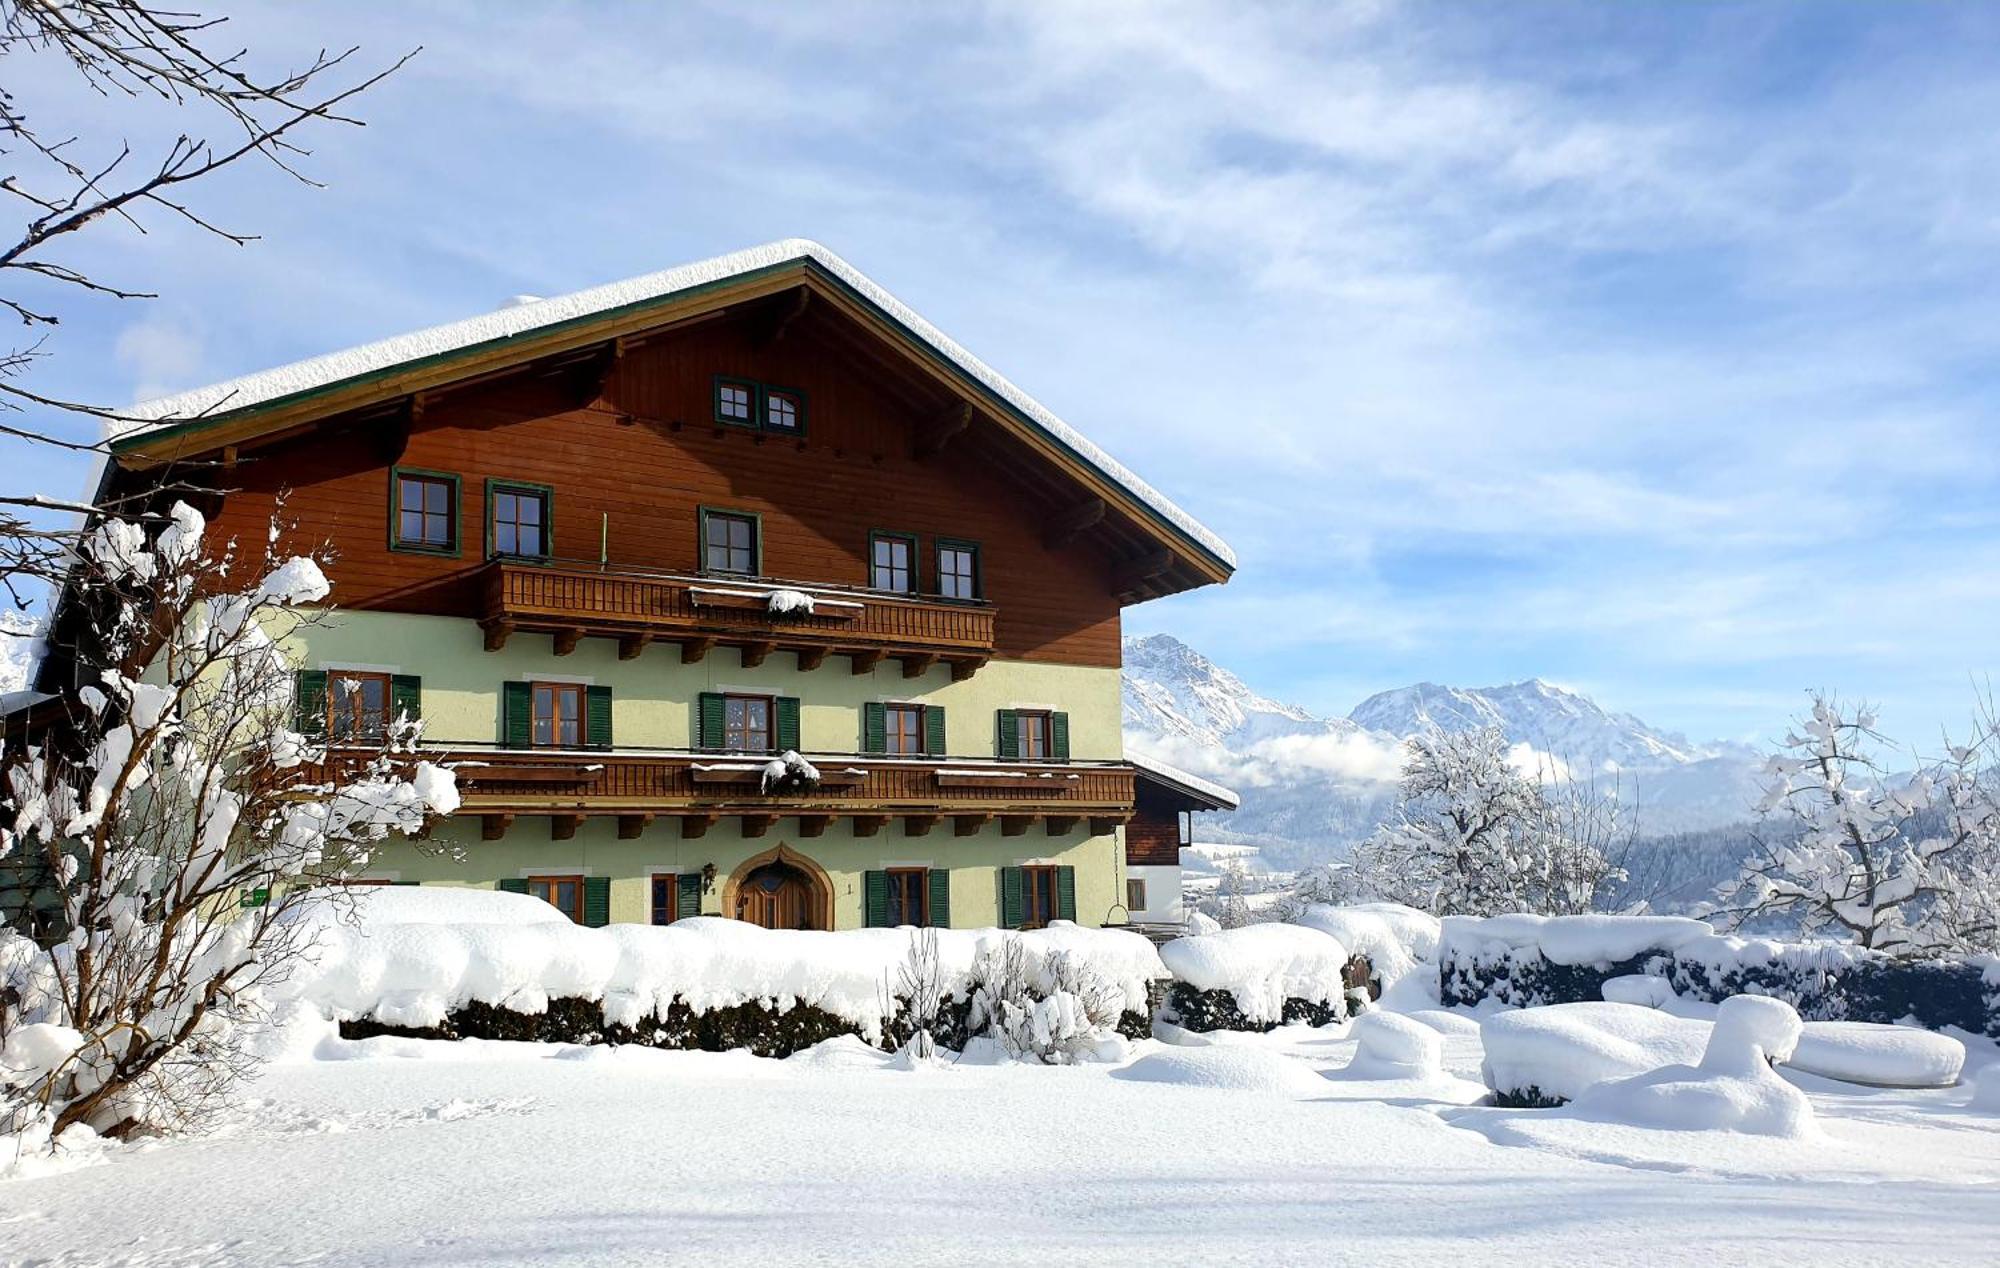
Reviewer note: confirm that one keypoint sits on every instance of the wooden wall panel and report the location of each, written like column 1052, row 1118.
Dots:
column 646, row 454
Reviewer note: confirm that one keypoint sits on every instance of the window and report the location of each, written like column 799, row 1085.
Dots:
column 558, row 716
column 426, row 511
column 357, row 706
column 903, row 729
column 518, row 519
column 893, row 562
column 1031, row 731
column 1038, row 896
column 729, row 542
column 958, row 570
column 564, row 893
column 1135, row 896
column 735, row 402
column 665, row 891
column 746, row 724
column 784, row 411
column 909, row 896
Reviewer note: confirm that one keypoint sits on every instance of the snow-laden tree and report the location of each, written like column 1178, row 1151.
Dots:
column 185, row 826
column 1905, row 863
column 1475, row 835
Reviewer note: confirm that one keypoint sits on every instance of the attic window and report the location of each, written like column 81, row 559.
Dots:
column 784, row 411
column 425, row 513
column 735, row 402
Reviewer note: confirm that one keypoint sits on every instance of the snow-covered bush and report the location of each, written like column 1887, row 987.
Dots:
column 182, row 823
column 1056, row 1012
column 1546, row 1056
column 1877, row 1056
column 781, row 602
column 1906, row 865
column 788, row 774
column 1257, row 977
column 1732, row 1089
column 1391, row 1046
column 1394, row 939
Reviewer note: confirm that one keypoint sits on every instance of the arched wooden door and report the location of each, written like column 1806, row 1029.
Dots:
column 776, row 896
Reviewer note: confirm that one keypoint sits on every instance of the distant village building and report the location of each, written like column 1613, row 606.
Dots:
column 738, row 589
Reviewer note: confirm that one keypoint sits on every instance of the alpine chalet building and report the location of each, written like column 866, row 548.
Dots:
column 623, row 550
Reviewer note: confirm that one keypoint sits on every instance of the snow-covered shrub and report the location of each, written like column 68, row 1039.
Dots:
column 1391, row 1046
column 918, row 998
column 1058, row 1012
column 1732, row 1089
column 1392, row 938
column 1877, row 1056
column 1546, row 1056
column 788, row 774
column 184, row 821
column 1257, row 977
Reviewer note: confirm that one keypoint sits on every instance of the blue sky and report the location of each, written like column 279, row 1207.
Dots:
column 1648, row 350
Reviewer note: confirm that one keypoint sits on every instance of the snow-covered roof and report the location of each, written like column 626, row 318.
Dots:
column 315, row 374
column 1161, row 772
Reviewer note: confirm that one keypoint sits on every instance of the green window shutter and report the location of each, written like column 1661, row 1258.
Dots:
column 875, row 899
column 687, row 898
column 1059, row 736
column 933, row 730
column 1012, row 907
column 1008, row 741
column 1066, row 893
column 709, row 731
column 406, row 697
column 874, row 727
column 596, row 901
column 310, row 695
column 788, row 724
column 517, row 714
column 597, row 717
column 939, row 880
column 513, row 884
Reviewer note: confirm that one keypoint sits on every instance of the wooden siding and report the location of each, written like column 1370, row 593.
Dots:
column 643, row 454
column 1153, row 841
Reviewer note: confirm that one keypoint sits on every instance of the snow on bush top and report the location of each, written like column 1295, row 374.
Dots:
column 1575, row 939
column 1878, row 1056
column 412, row 973
column 520, row 319
column 1395, row 938
column 442, row 904
column 1262, row 966
column 1564, row 1048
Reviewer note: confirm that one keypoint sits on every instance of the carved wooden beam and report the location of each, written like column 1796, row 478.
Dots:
column 392, row 434
column 964, row 667
column 694, row 827
column 969, row 825
column 918, row 825
column 493, row 827
column 813, row 825
column 936, row 434
column 755, row 826
column 563, row 827
column 1059, row 825
column 863, row 662
column 782, row 316
column 1136, row 578
column 1015, row 825
column 918, row 666
column 869, row 825
column 1068, row 525
column 585, row 379
column 496, row 634
column 695, row 650
column 1103, row 825
column 566, row 641
column 630, row 827
column 630, row 645
column 754, row 653
column 811, row 657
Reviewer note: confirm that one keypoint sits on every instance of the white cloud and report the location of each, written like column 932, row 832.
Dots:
column 162, row 354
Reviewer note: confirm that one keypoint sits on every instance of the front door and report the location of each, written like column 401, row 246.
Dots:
column 776, row 896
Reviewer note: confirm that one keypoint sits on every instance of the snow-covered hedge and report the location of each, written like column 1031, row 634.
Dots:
column 493, row 967
column 1535, row 960
column 1257, row 976
column 1547, row 1056
column 1395, row 939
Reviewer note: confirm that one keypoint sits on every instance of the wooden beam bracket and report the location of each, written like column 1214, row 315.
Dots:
column 811, row 658
column 919, row 665
column 1015, row 825
column 631, row 827
column 494, row 827
column 755, row 826
column 696, row 650
column 563, row 827
column 754, row 654
column 630, row 645
column 565, row 641
column 496, row 633
column 918, row 825
column 1068, row 525
column 969, row 825
column 813, row 825
column 864, row 662
column 869, row 825
column 932, row 439
column 694, row 827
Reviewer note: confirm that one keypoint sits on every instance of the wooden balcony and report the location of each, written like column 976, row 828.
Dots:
column 499, row 785
column 572, row 601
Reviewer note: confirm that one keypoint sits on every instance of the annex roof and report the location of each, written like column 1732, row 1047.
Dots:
column 1176, row 780
column 189, row 412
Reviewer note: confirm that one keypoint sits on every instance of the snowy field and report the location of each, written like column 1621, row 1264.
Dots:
column 393, row 1151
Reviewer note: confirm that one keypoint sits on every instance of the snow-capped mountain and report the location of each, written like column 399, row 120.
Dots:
column 1313, row 786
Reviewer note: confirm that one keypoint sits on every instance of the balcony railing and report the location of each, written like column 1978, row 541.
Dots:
column 635, row 786
column 572, row 600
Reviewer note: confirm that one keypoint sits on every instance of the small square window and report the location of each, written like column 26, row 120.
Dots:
column 426, row 512
column 903, row 729
column 784, row 410
column 729, row 543
column 957, row 570
column 893, row 563
column 1135, row 896
column 735, row 402
column 520, row 521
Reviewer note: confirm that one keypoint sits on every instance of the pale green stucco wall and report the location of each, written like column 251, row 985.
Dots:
column 596, row 851
column 652, row 696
